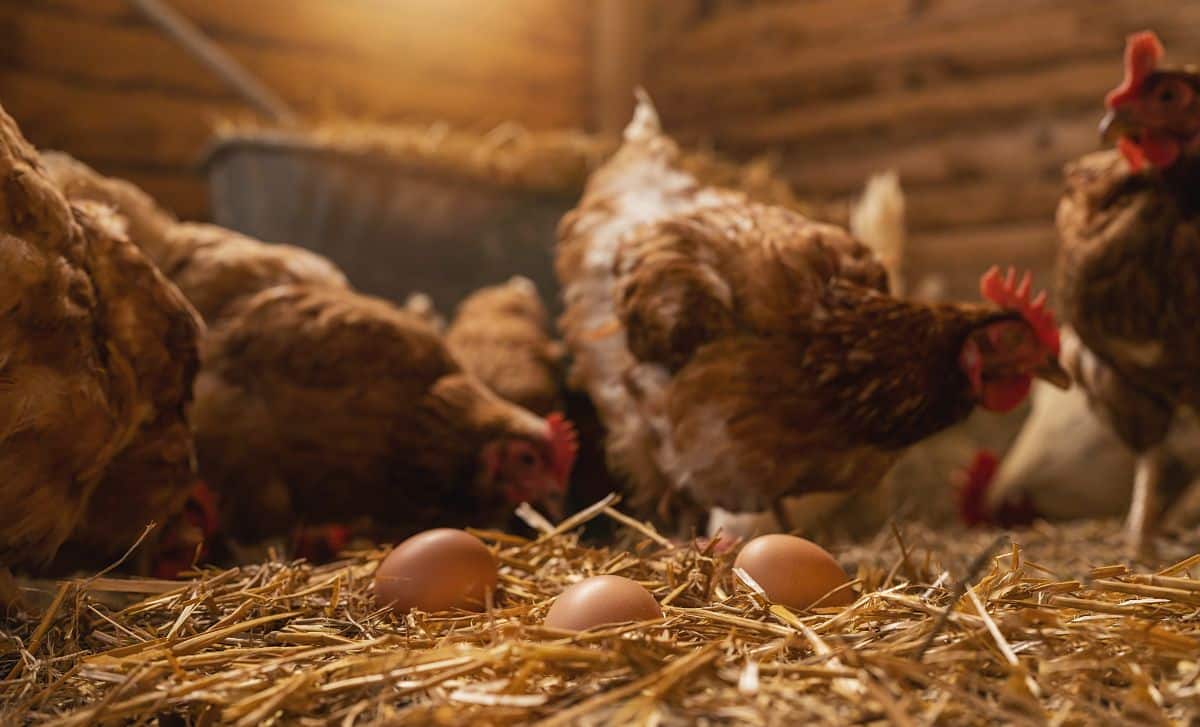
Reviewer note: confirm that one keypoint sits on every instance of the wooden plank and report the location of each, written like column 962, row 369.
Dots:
column 833, row 24
column 143, row 125
column 974, row 249
column 617, row 44
column 516, row 36
column 724, row 31
column 112, row 50
column 904, row 114
column 89, row 50
column 924, row 56
column 705, row 96
column 1034, row 149
column 972, row 43
column 93, row 78
column 987, row 202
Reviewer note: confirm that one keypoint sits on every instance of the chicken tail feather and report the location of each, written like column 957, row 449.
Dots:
column 878, row 222
column 645, row 125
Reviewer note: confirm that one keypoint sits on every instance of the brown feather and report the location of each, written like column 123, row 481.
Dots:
column 757, row 352
column 1129, row 281
column 321, row 405
column 99, row 355
column 499, row 335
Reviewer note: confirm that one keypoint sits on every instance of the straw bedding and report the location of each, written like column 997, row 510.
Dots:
column 1052, row 629
column 511, row 156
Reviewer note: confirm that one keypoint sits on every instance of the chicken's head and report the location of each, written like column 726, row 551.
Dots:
column 321, row 543
column 186, row 536
column 1154, row 115
column 1001, row 358
column 534, row 470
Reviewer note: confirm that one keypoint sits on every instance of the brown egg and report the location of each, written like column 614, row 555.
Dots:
column 601, row 600
column 794, row 572
column 436, row 570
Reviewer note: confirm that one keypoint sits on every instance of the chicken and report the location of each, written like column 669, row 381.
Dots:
column 318, row 405
column 876, row 220
column 213, row 266
column 1128, row 272
column 1065, row 464
column 738, row 353
column 499, row 335
column 97, row 356
column 266, row 302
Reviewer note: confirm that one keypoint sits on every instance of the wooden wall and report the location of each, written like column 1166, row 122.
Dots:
column 976, row 103
column 92, row 78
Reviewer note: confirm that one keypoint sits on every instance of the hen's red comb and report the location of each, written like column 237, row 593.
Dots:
column 972, row 493
column 564, row 444
column 1143, row 51
column 1006, row 292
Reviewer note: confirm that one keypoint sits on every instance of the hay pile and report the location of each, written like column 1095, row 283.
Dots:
column 512, row 156
column 1029, row 642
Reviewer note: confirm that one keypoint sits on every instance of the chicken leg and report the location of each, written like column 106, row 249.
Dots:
column 1143, row 510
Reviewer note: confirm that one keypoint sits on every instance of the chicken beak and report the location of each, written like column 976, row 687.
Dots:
column 1114, row 125
column 1052, row 372
column 553, row 505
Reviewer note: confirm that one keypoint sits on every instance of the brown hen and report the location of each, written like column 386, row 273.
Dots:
column 1129, row 265
column 319, row 405
column 97, row 355
column 738, row 352
column 499, row 334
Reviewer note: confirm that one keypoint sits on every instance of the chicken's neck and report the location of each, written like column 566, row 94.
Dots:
column 1112, row 185
column 890, row 368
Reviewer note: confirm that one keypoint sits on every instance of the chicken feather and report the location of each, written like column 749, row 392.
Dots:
column 739, row 352
column 99, row 355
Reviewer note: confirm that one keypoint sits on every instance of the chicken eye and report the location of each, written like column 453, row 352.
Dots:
column 1173, row 94
column 526, row 459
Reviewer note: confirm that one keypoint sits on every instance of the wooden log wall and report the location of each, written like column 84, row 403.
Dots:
column 93, row 78
column 977, row 104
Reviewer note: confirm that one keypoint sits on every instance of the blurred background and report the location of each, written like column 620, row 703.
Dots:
column 975, row 103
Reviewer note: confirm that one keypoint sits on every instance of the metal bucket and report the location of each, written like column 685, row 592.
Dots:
column 393, row 228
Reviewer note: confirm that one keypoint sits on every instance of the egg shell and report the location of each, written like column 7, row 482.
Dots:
column 601, row 600
column 794, row 572
column 436, row 570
